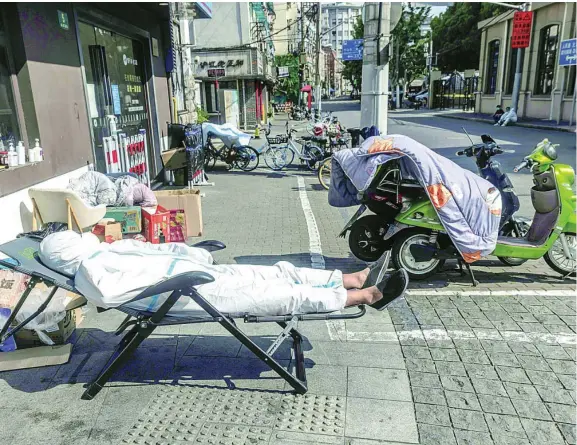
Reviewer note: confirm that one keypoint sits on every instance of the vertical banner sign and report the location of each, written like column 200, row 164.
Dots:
column 521, row 35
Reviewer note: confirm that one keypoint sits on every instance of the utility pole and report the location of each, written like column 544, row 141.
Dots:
column 430, row 83
column 317, row 69
column 398, row 76
column 301, row 53
column 375, row 86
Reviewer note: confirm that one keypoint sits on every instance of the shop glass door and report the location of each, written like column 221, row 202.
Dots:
column 115, row 84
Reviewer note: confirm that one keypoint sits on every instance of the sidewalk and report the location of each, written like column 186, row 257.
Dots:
column 540, row 124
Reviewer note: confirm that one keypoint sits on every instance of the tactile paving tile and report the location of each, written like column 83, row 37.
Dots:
column 313, row 414
column 222, row 434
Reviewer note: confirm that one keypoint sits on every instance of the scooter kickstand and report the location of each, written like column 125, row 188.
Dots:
column 473, row 280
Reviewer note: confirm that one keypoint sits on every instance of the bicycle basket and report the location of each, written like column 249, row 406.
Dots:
column 277, row 140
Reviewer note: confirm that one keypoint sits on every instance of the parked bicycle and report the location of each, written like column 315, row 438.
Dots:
column 243, row 157
column 281, row 150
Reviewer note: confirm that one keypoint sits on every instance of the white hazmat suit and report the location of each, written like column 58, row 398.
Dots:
column 507, row 118
column 109, row 275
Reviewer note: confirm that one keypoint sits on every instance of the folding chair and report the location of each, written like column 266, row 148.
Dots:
column 24, row 251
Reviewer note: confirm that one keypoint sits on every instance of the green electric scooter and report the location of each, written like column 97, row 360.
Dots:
column 420, row 244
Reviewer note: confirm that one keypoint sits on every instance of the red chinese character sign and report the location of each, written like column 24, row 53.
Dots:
column 521, row 35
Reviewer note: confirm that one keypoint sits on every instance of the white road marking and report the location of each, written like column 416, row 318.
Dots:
column 488, row 293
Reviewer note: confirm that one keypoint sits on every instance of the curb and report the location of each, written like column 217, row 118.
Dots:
column 521, row 124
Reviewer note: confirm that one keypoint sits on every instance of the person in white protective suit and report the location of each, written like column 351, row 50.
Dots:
column 508, row 117
column 110, row 275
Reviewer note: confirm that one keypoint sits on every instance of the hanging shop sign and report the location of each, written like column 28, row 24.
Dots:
column 521, row 35
column 216, row 72
column 222, row 63
column 283, row 71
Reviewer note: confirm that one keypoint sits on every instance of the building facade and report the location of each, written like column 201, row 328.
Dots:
column 342, row 17
column 285, row 28
column 547, row 89
column 234, row 51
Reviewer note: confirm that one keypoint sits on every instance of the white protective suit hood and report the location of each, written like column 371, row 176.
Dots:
column 65, row 251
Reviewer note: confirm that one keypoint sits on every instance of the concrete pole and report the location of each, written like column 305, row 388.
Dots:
column 375, row 86
column 301, row 52
column 397, row 77
column 317, row 68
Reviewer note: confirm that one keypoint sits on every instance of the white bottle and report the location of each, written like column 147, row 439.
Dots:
column 21, row 153
column 12, row 156
column 31, row 154
column 38, row 152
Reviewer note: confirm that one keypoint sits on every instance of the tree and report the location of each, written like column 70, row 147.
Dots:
column 411, row 45
column 353, row 69
column 456, row 38
column 288, row 86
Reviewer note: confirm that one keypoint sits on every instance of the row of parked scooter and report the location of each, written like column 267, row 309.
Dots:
column 405, row 223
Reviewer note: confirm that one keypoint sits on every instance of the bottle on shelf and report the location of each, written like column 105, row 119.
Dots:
column 21, row 153
column 12, row 156
column 38, row 151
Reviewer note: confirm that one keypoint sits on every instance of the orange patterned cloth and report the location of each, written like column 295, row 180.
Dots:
column 439, row 194
column 471, row 257
column 381, row 146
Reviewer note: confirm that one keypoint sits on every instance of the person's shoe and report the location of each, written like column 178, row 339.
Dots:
column 392, row 287
column 376, row 274
column 496, row 125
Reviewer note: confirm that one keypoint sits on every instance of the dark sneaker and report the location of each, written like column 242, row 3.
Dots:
column 392, row 287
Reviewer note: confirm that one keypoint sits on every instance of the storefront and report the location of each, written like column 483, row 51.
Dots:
column 242, row 70
column 70, row 76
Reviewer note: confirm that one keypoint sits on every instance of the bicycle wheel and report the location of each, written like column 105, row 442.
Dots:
column 314, row 154
column 246, row 158
column 325, row 173
column 277, row 158
column 209, row 159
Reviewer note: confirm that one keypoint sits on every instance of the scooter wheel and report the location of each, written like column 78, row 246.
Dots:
column 403, row 258
column 366, row 238
column 558, row 261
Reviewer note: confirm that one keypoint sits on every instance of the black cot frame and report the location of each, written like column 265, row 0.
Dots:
column 140, row 324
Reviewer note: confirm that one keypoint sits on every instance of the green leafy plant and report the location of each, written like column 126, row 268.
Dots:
column 456, row 38
column 288, row 86
column 201, row 116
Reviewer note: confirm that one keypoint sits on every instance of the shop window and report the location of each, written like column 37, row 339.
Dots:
column 9, row 129
column 492, row 65
column 512, row 68
column 547, row 58
column 570, row 90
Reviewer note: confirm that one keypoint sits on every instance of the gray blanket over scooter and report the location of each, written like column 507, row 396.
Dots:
column 468, row 206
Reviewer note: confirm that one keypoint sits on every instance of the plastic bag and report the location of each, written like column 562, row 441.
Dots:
column 9, row 344
column 48, row 319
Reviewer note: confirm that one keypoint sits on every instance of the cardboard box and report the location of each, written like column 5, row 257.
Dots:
column 129, row 217
column 156, row 221
column 108, row 231
column 26, row 338
column 35, row 357
column 174, row 159
column 12, row 285
column 187, row 200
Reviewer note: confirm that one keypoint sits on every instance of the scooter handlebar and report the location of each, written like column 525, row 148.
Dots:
column 460, row 153
column 521, row 166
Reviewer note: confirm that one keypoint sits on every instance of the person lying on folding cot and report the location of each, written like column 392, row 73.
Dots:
column 110, row 275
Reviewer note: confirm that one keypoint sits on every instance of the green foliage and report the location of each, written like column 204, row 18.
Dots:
column 353, row 69
column 455, row 35
column 288, row 86
column 410, row 44
column 201, row 115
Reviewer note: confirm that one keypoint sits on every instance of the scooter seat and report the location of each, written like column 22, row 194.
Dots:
column 520, row 242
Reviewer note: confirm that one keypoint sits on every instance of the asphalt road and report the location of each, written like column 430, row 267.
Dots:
column 446, row 136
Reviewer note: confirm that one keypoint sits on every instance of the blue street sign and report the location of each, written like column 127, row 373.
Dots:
column 353, row 49
column 568, row 52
